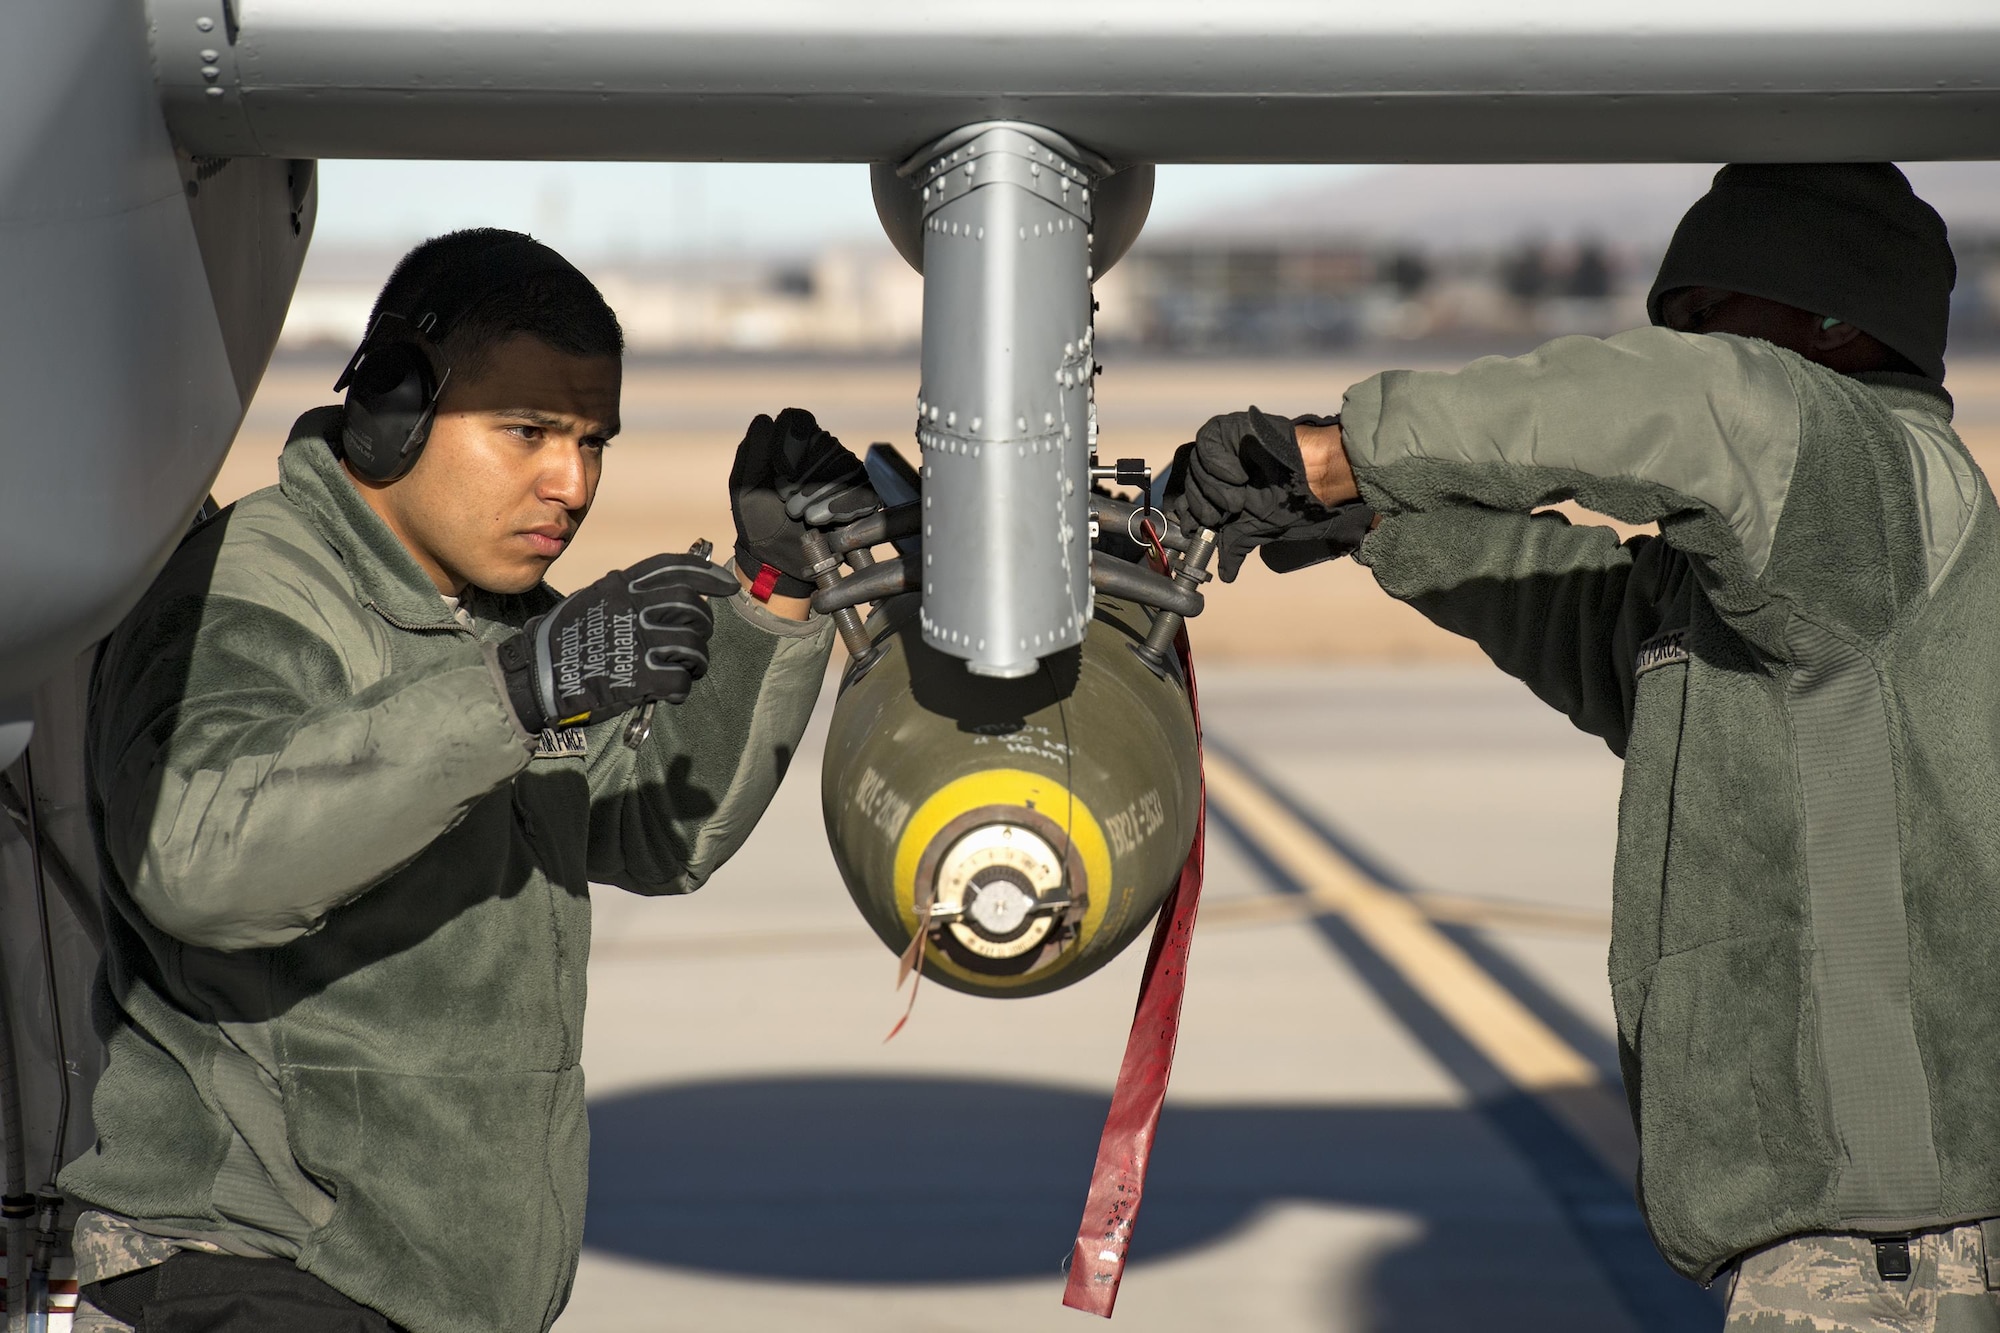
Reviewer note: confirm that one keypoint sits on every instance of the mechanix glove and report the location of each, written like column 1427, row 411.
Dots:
column 790, row 475
column 1243, row 476
column 634, row 637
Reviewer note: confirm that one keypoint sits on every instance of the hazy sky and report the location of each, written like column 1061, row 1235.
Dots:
column 677, row 208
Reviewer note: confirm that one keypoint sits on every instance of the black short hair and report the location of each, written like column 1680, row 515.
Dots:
column 486, row 284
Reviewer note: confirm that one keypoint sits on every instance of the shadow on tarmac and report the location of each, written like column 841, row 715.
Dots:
column 937, row 1180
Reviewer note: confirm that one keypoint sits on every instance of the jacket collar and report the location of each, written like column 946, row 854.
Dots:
column 386, row 576
column 1911, row 392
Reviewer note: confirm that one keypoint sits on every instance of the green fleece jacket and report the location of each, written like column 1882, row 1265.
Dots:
column 1800, row 673
column 344, row 986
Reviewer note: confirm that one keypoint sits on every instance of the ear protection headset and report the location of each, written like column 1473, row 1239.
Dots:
column 392, row 385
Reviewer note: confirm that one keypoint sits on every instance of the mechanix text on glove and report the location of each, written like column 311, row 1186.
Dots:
column 635, row 636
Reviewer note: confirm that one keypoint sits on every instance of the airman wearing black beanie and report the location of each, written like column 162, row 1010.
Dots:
column 1846, row 240
column 1797, row 670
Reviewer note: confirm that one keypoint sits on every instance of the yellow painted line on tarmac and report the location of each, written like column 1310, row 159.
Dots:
column 1264, row 909
column 1457, row 909
column 1464, row 909
column 1526, row 1051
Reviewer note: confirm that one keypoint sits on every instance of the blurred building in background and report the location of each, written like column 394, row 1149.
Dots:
column 1214, row 294
column 1479, row 256
column 1471, row 258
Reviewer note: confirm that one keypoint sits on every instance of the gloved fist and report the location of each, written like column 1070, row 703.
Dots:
column 633, row 637
column 790, row 475
column 1243, row 476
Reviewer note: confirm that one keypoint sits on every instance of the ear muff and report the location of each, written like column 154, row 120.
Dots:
column 392, row 386
column 392, row 393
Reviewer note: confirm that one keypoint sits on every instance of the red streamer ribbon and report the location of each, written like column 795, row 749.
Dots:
column 1097, row 1263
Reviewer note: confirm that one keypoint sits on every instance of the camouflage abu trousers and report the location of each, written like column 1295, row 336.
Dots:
column 105, row 1247
column 1829, row 1284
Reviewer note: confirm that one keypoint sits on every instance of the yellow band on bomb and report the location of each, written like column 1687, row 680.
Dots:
column 1002, row 786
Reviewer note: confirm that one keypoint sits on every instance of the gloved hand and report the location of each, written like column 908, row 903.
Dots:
column 1243, row 476
column 789, row 475
column 633, row 637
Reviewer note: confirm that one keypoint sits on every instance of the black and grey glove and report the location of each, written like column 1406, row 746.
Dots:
column 790, row 475
column 1243, row 476
column 635, row 636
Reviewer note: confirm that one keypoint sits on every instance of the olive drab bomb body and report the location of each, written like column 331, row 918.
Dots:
column 1029, row 828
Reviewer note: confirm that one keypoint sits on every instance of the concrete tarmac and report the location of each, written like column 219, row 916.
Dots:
column 1394, row 1107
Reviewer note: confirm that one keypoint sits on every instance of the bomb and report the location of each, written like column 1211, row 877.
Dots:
column 1028, row 828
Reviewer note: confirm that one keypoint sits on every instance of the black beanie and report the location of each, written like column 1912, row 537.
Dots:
column 1850, row 240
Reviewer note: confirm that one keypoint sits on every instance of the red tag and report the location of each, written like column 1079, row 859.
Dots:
column 1097, row 1262
column 765, row 583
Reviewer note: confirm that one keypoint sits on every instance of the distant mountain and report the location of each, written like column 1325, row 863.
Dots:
column 1487, row 206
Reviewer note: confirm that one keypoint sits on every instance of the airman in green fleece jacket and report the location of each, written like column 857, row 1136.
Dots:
column 1799, row 671
column 349, row 824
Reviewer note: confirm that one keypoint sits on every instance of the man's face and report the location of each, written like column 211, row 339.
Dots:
column 510, row 468
column 1836, row 345
column 1717, row 310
